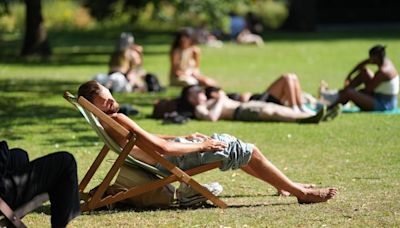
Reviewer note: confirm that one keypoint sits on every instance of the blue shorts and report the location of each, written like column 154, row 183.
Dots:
column 384, row 102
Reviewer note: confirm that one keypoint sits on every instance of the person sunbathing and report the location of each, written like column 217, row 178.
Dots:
column 198, row 149
column 286, row 90
column 220, row 107
column 126, row 72
column 380, row 88
column 185, row 61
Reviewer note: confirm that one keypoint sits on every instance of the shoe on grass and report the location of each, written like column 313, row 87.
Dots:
column 333, row 112
column 314, row 119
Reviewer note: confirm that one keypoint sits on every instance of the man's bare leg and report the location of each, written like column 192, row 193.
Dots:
column 298, row 90
column 364, row 101
column 266, row 171
column 280, row 192
column 277, row 89
column 363, row 77
column 284, row 90
column 275, row 112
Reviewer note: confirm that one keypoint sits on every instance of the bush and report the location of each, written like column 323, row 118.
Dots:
column 66, row 14
column 273, row 13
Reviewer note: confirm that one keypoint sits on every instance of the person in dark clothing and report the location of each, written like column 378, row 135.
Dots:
column 56, row 174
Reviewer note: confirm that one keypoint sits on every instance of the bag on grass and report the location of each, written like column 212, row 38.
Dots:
column 153, row 84
column 164, row 106
column 131, row 176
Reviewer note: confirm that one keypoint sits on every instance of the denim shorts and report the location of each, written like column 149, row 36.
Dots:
column 384, row 102
column 236, row 155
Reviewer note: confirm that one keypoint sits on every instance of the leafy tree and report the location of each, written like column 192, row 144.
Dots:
column 214, row 10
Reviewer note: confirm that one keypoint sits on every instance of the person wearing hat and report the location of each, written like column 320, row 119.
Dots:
column 380, row 88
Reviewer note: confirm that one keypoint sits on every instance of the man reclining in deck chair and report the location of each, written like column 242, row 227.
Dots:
column 21, row 180
column 197, row 149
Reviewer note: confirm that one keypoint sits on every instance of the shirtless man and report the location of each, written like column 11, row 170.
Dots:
column 251, row 159
column 222, row 107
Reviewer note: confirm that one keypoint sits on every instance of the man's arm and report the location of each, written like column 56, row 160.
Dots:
column 211, row 113
column 147, row 141
column 191, row 136
column 376, row 80
column 357, row 68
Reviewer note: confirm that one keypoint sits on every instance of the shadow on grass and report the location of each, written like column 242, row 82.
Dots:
column 41, row 87
column 21, row 103
column 93, row 47
column 126, row 208
column 78, row 142
column 81, row 47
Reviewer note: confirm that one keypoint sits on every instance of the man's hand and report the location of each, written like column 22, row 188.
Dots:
column 197, row 135
column 346, row 82
column 213, row 145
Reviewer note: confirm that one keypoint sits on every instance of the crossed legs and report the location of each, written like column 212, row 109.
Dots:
column 264, row 170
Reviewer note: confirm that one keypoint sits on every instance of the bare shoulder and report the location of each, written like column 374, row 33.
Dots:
column 196, row 49
column 388, row 70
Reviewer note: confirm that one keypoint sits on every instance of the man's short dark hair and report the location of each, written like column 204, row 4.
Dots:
column 211, row 89
column 378, row 50
column 89, row 89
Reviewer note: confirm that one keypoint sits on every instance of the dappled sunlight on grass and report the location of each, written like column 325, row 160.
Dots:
column 358, row 153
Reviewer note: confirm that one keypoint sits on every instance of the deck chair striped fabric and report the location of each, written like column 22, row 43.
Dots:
column 13, row 218
column 93, row 116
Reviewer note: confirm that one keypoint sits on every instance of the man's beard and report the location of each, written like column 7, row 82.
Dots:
column 113, row 109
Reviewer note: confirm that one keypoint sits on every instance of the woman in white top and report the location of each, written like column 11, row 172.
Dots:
column 185, row 61
column 380, row 88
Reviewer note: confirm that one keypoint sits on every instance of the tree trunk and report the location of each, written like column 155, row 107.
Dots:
column 35, row 41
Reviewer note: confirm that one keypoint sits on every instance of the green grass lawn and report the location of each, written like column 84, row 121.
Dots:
column 358, row 153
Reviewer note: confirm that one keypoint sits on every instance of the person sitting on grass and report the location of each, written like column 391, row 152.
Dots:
column 185, row 61
column 221, row 107
column 200, row 150
column 126, row 72
column 380, row 88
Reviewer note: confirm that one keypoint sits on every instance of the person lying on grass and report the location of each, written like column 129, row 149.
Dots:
column 198, row 149
column 285, row 90
column 193, row 100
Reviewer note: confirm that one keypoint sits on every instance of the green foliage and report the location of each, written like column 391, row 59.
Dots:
column 15, row 20
column 273, row 13
column 61, row 15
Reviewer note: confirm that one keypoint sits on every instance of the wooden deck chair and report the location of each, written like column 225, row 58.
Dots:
column 13, row 218
column 92, row 115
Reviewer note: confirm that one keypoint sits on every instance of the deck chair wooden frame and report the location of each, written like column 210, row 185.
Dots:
column 13, row 218
column 93, row 116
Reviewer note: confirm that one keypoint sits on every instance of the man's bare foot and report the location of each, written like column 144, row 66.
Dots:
column 281, row 192
column 317, row 195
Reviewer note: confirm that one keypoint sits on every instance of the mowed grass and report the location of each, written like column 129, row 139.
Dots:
column 357, row 153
